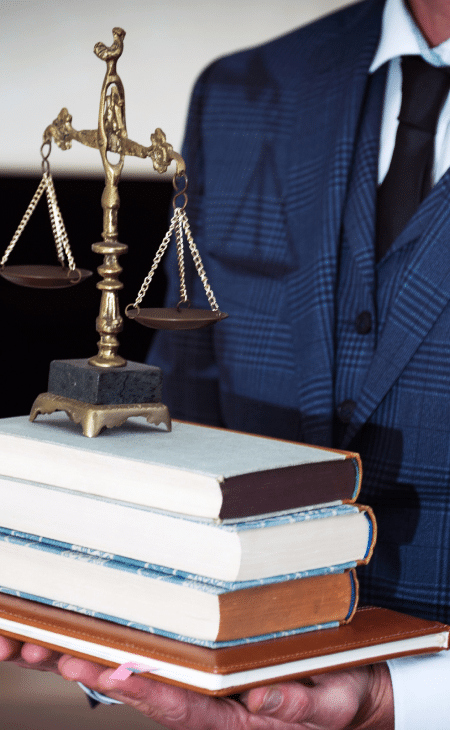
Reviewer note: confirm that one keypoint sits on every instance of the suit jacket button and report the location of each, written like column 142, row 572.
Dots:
column 363, row 323
column 345, row 410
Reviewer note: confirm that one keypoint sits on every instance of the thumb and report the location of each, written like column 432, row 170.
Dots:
column 289, row 702
column 329, row 701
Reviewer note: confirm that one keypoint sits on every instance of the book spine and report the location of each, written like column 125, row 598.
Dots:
column 290, row 488
column 72, row 608
column 355, row 597
column 356, row 460
column 369, row 514
column 308, row 602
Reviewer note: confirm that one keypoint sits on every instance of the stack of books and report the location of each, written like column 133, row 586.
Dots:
column 213, row 559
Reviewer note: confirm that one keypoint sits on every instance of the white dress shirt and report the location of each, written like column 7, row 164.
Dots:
column 421, row 684
column 400, row 36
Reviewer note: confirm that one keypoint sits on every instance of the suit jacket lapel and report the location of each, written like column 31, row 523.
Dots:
column 422, row 290
column 339, row 77
column 360, row 208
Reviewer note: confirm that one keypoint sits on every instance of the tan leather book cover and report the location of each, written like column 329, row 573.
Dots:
column 374, row 634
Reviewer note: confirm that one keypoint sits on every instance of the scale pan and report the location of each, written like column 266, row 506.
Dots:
column 44, row 277
column 175, row 319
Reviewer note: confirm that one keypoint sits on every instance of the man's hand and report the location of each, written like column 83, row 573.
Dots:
column 356, row 699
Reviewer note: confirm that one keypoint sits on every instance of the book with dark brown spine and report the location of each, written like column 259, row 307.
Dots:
column 374, row 634
column 199, row 471
column 236, row 551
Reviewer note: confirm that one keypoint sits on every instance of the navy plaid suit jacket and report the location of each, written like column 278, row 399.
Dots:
column 272, row 140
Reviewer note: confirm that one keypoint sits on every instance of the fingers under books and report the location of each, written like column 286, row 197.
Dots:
column 39, row 656
column 9, row 648
column 358, row 698
column 172, row 707
column 80, row 670
column 28, row 655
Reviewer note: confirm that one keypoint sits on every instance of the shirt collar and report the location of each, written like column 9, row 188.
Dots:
column 400, row 36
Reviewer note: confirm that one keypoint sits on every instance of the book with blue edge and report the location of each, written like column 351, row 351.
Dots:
column 240, row 550
column 183, row 606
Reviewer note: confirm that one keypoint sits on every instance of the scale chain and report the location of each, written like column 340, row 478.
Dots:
column 158, row 256
column 198, row 263
column 56, row 220
column 179, row 223
column 58, row 227
column 26, row 217
column 180, row 256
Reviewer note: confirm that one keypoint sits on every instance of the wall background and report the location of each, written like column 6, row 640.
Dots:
column 47, row 62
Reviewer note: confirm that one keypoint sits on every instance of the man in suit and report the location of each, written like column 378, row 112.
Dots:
column 333, row 338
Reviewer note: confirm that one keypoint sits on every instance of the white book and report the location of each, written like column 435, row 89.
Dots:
column 170, row 602
column 244, row 550
column 193, row 470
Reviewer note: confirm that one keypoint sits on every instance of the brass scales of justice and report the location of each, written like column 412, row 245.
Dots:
column 105, row 390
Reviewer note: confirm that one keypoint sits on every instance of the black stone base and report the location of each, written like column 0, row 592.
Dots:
column 133, row 383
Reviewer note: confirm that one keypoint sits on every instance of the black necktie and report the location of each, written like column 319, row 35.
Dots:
column 408, row 180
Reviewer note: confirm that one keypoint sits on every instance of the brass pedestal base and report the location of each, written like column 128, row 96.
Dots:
column 94, row 418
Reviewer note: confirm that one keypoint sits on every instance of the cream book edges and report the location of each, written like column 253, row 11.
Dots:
column 249, row 550
column 194, row 470
column 176, row 604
